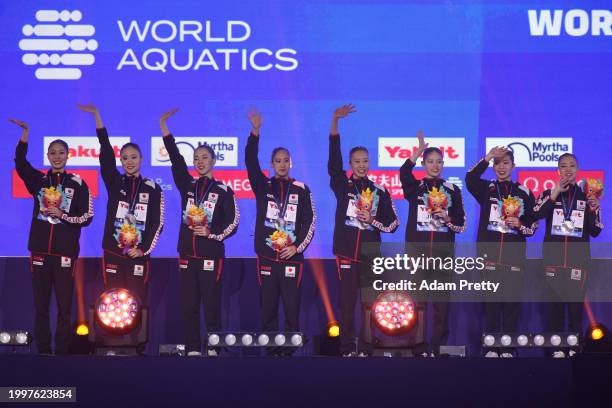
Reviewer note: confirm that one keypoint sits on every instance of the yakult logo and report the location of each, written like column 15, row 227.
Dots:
column 533, row 152
column 84, row 151
column 393, row 151
column 59, row 49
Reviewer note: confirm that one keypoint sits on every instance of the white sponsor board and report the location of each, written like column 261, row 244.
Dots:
column 533, row 151
column 226, row 149
column 84, row 150
column 393, row 151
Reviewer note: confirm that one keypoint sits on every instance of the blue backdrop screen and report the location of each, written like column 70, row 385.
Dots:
column 471, row 74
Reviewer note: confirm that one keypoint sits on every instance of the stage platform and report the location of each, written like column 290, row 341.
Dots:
column 317, row 381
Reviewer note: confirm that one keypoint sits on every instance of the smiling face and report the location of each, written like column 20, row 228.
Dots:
column 433, row 164
column 281, row 163
column 203, row 162
column 503, row 168
column 360, row 163
column 568, row 168
column 58, row 156
column 131, row 161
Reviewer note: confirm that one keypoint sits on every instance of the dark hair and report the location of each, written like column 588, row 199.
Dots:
column 206, row 147
column 358, row 149
column 508, row 153
column 132, row 145
column 60, row 142
column 278, row 149
column 564, row 155
column 431, row 150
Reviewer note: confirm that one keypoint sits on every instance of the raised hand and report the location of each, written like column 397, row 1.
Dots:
column 20, row 123
column 339, row 113
column 24, row 126
column 162, row 121
column 497, row 151
column 90, row 108
column 421, row 148
column 255, row 118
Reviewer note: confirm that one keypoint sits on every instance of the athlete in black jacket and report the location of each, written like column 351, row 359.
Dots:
column 363, row 210
column 284, row 228
column 134, row 215
column 62, row 205
column 435, row 215
column 506, row 219
column 209, row 215
column 573, row 215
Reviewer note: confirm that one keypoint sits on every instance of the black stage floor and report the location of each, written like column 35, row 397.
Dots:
column 317, row 381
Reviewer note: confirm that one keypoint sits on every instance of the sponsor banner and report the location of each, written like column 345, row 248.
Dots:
column 84, row 150
column 90, row 177
column 393, row 151
column 540, row 180
column 532, row 151
column 237, row 180
column 225, row 148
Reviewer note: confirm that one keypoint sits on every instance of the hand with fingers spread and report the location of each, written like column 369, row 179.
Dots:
column 255, row 118
column 24, row 126
column 90, row 108
column 497, row 151
column 162, row 121
column 339, row 113
column 422, row 146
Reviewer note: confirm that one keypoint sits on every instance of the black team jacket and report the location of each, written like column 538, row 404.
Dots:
column 295, row 197
column 215, row 199
column 501, row 244
column 567, row 250
column 143, row 195
column 353, row 193
column 67, row 191
column 424, row 238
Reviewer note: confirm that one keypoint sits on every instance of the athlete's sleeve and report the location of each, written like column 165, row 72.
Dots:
column 155, row 221
column 543, row 205
column 529, row 222
column 386, row 219
column 108, row 164
column 458, row 220
column 409, row 182
column 84, row 204
column 336, row 173
column 180, row 171
column 231, row 217
column 475, row 184
column 308, row 219
column 256, row 177
column 595, row 224
column 25, row 170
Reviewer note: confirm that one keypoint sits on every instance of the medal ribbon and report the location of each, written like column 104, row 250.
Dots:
column 134, row 195
column 567, row 210
column 281, row 209
column 201, row 198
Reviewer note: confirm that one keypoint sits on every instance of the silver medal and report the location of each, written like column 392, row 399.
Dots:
column 568, row 225
column 280, row 224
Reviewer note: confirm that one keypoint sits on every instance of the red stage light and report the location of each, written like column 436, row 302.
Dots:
column 117, row 310
column 394, row 313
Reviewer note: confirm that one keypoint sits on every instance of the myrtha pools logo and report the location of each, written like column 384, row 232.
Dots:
column 58, row 49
